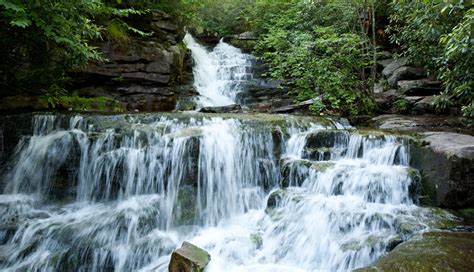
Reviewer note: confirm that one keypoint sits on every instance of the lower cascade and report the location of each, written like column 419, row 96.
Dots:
column 259, row 193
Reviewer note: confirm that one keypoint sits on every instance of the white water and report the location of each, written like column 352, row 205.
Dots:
column 138, row 186
column 218, row 74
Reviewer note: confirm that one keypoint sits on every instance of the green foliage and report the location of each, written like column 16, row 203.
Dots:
column 318, row 54
column 442, row 102
column 401, row 104
column 41, row 40
column 53, row 95
column 77, row 103
column 438, row 36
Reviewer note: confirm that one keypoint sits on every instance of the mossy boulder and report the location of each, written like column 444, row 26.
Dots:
column 432, row 251
column 189, row 258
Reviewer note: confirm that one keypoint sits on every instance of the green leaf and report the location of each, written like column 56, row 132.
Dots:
column 23, row 23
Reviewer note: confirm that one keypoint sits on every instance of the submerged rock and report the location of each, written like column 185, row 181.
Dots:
column 433, row 251
column 189, row 258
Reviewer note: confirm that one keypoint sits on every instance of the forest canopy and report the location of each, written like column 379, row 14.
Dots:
column 321, row 49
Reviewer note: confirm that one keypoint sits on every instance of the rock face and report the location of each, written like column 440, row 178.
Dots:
column 447, row 168
column 188, row 258
column 143, row 72
column 434, row 251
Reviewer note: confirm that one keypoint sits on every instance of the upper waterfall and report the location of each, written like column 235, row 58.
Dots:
column 219, row 74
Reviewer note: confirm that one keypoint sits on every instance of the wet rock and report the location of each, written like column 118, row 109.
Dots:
column 293, row 172
column 423, row 87
column 446, row 164
column 394, row 65
column 276, row 197
column 188, row 258
column 224, row 109
column 405, row 73
column 433, row 251
column 326, row 139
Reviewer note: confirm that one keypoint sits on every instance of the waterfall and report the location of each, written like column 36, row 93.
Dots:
column 96, row 193
column 220, row 74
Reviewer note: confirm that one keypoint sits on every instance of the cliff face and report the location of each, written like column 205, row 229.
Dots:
column 143, row 73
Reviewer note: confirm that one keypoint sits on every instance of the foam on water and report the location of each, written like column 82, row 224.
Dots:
column 120, row 193
column 219, row 74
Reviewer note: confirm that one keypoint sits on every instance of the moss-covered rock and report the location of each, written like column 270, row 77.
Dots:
column 432, row 251
column 326, row 138
column 188, row 258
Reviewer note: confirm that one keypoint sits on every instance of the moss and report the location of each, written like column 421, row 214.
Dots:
column 189, row 258
column 466, row 213
column 444, row 251
column 99, row 104
column 322, row 166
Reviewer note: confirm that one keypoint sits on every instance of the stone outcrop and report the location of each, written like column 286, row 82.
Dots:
column 403, row 82
column 446, row 164
column 142, row 72
column 433, row 251
column 188, row 258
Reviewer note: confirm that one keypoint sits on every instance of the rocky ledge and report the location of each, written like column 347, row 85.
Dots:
column 144, row 73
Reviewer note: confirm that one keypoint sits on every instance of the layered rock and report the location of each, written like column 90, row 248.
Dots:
column 143, row 72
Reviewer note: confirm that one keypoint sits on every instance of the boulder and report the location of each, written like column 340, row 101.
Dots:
column 423, row 87
column 405, row 73
column 234, row 108
column 446, row 163
column 394, row 65
column 433, row 251
column 425, row 105
column 189, row 258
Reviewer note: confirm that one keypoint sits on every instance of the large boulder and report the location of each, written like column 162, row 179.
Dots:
column 393, row 65
column 404, row 73
column 188, row 258
column 433, row 251
column 446, row 164
column 422, row 87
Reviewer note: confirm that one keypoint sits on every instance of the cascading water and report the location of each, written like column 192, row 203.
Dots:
column 220, row 74
column 99, row 193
